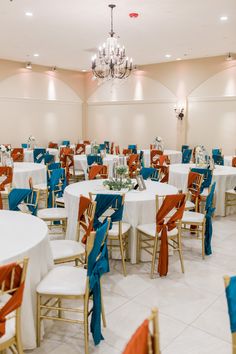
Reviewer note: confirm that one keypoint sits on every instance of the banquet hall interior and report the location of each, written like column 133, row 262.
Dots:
column 118, row 177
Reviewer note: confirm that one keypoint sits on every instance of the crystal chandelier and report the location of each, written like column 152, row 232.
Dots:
column 111, row 61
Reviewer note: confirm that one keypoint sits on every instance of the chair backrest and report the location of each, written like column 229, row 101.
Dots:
column 66, row 142
column 39, row 154
column 133, row 164
column 150, row 172
column 31, row 202
column 12, row 280
column 216, row 151
column 230, row 290
column 55, row 185
column 80, row 149
column 52, row 145
column 102, row 147
column 54, row 166
column 108, row 206
column 184, row 147
column 234, row 162
column 86, row 142
column 17, row 154
column 218, row 159
column 49, row 159
column 24, row 145
column 112, row 148
column 133, row 148
column 155, row 156
column 207, row 176
column 194, row 184
column 117, row 150
column 64, row 152
column 186, row 155
column 127, row 152
column 85, row 217
column 96, row 171
column 8, row 173
column 91, row 159
column 145, row 340
column 168, row 217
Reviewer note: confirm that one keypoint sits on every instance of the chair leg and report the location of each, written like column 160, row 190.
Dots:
column 203, row 242
column 180, row 253
column 102, row 305
column 19, row 345
column 138, row 247
column 154, row 255
column 122, row 254
column 86, row 349
column 59, row 311
column 38, row 324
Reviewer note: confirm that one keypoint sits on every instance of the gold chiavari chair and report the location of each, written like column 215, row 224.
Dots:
column 148, row 236
column 64, row 251
column 118, row 235
column 13, row 286
column 193, row 191
column 146, row 338
column 70, row 283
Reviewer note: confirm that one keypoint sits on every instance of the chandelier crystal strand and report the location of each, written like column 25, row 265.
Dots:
column 111, row 61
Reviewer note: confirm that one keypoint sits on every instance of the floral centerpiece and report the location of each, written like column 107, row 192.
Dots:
column 5, row 154
column 31, row 142
column 158, row 143
column 201, row 156
column 121, row 181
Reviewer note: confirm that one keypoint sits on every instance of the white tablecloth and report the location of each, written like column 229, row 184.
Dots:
column 24, row 170
column 29, row 156
column 224, row 176
column 175, row 156
column 109, row 160
column 23, row 235
column 139, row 207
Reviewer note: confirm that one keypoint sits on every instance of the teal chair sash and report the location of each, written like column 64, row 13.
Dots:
column 48, row 158
column 231, row 300
column 94, row 159
column 24, row 145
column 209, row 212
column 65, row 143
column 216, row 152
column 98, row 264
column 39, row 155
column 186, row 156
column 150, row 172
column 17, row 196
column 133, row 148
column 184, row 147
column 104, row 202
column 54, row 166
column 55, row 177
column 218, row 159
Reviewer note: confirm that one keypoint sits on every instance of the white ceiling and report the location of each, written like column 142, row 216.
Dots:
column 65, row 32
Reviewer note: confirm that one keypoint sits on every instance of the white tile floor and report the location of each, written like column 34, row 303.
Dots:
column 193, row 313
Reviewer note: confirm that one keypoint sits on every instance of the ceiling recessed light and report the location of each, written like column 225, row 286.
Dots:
column 84, row 70
column 224, row 18
column 178, row 59
column 36, row 55
column 168, row 55
column 29, row 14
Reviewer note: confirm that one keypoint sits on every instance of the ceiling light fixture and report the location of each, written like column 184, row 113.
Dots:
column 28, row 65
column 111, row 61
column 29, row 14
column 178, row 59
column 224, row 18
column 229, row 57
column 36, row 55
column 168, row 55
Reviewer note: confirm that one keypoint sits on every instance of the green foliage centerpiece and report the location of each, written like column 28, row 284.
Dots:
column 121, row 181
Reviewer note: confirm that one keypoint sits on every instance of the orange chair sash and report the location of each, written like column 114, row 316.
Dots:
column 17, row 154
column 52, row 145
column 80, row 149
column 84, row 203
column 16, row 299
column 138, row 343
column 162, row 226
column 234, row 162
column 8, row 172
column 95, row 170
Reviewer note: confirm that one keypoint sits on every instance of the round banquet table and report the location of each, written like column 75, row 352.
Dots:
column 224, row 176
column 174, row 155
column 109, row 160
column 139, row 208
column 24, row 235
column 24, row 170
column 29, row 155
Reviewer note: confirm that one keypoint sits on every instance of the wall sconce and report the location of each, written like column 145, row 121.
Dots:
column 53, row 68
column 28, row 66
column 179, row 113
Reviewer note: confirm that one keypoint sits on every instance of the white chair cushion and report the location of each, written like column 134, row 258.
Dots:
column 115, row 229
column 60, row 200
column 10, row 328
column 64, row 280
column 66, row 248
column 41, row 187
column 52, row 213
column 205, row 192
column 189, row 205
column 192, row 216
column 150, row 229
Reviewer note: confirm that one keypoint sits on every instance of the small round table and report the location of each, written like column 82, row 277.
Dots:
column 24, row 235
column 224, row 176
column 139, row 208
column 174, row 156
column 24, row 170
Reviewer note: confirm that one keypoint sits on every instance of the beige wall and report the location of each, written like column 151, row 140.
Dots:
column 48, row 105
column 143, row 106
